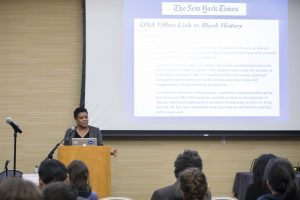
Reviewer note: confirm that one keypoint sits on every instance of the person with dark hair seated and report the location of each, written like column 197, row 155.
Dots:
column 193, row 184
column 59, row 191
column 189, row 158
column 79, row 179
column 280, row 179
column 19, row 189
column 52, row 171
column 258, row 187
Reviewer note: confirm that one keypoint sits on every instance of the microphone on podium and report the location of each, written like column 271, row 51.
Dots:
column 50, row 155
column 71, row 132
column 13, row 125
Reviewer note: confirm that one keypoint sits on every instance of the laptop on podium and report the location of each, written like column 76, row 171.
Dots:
column 84, row 141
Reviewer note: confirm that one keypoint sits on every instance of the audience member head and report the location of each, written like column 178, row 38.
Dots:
column 259, row 167
column 79, row 175
column 79, row 110
column 280, row 178
column 17, row 188
column 193, row 184
column 189, row 158
column 59, row 191
column 52, row 171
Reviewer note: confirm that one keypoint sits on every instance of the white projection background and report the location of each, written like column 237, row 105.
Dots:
column 192, row 65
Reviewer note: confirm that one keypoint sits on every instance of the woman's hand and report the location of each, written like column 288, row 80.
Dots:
column 114, row 152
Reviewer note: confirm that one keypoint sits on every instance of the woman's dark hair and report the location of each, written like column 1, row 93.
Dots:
column 79, row 175
column 193, row 184
column 79, row 110
column 259, row 167
column 281, row 178
column 189, row 158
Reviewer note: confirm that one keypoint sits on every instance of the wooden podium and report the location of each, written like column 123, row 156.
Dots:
column 97, row 158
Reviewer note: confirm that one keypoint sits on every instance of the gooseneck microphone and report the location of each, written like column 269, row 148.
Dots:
column 71, row 132
column 50, row 155
column 13, row 125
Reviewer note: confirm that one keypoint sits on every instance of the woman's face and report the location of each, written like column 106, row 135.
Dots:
column 82, row 119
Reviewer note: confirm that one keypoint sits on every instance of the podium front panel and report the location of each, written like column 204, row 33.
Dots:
column 97, row 159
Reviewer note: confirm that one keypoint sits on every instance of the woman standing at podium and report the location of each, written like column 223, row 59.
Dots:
column 82, row 129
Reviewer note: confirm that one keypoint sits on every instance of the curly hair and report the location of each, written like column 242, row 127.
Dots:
column 193, row 184
column 189, row 158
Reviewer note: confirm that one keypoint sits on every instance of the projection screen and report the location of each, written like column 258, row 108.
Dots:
column 192, row 67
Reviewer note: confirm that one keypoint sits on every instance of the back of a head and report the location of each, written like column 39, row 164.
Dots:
column 52, row 170
column 78, row 175
column 59, row 191
column 259, row 167
column 193, row 184
column 17, row 188
column 189, row 158
column 281, row 178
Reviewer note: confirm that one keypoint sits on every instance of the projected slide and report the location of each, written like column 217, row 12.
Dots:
column 206, row 59
column 210, row 67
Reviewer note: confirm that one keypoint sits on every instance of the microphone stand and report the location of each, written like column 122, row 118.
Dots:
column 15, row 151
column 50, row 155
column 5, row 168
